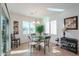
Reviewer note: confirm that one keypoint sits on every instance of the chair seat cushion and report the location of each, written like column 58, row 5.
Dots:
column 33, row 43
column 42, row 44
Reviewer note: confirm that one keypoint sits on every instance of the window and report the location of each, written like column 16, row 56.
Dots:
column 25, row 27
column 32, row 27
column 46, row 24
column 53, row 27
column 28, row 27
column 47, row 27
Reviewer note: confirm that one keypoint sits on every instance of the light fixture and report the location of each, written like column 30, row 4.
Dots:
column 38, row 22
column 33, row 22
column 55, row 9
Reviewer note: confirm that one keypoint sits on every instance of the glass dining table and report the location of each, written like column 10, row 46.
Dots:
column 39, row 40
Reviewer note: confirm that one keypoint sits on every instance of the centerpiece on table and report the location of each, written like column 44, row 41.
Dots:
column 39, row 30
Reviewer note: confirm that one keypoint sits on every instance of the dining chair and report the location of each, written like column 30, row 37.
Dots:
column 32, row 44
column 15, row 42
column 45, row 43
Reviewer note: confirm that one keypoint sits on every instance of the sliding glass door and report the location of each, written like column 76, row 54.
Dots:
column 4, row 32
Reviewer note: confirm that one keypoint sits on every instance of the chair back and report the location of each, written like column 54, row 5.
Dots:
column 33, row 34
column 47, row 40
column 12, row 36
column 30, row 38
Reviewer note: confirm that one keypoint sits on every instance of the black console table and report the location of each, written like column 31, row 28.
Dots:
column 69, row 44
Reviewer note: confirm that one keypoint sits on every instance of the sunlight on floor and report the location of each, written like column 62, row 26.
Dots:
column 19, row 51
column 54, row 50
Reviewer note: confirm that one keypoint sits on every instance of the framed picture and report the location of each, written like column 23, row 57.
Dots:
column 71, row 23
column 16, row 29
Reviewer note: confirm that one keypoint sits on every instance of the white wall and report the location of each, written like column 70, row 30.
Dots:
column 69, row 33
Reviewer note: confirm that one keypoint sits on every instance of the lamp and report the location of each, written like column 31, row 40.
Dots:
column 64, row 31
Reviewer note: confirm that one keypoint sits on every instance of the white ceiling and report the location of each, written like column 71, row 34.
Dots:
column 39, row 9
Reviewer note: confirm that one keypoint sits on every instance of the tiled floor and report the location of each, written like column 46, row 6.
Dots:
column 24, row 50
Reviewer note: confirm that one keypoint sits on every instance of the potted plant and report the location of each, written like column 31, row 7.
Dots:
column 40, row 30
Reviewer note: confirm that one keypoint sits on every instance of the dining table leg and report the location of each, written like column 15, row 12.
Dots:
column 39, row 47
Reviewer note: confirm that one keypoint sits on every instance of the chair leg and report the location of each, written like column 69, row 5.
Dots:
column 31, row 50
column 16, row 43
column 44, row 50
column 19, row 41
column 11, row 44
column 39, row 47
